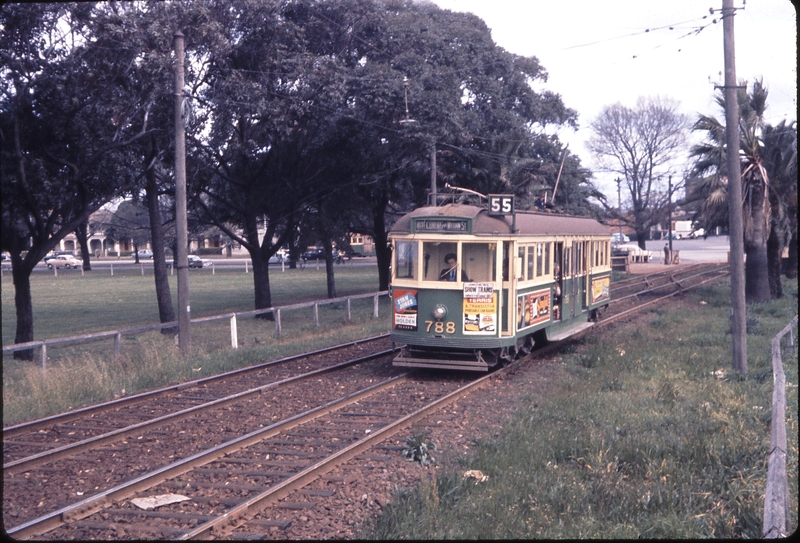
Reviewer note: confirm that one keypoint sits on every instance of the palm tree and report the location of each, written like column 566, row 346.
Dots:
column 780, row 160
column 760, row 197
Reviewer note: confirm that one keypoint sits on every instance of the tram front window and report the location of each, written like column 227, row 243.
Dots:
column 435, row 258
column 479, row 261
column 405, row 259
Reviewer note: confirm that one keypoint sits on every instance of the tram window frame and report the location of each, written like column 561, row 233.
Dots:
column 521, row 256
column 410, row 250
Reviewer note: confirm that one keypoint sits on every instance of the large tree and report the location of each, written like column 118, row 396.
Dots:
column 641, row 145
column 65, row 122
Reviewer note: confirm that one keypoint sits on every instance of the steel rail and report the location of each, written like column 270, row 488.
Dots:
column 612, row 318
column 673, row 281
column 651, row 276
column 93, row 504
column 61, row 418
column 51, row 455
column 236, row 516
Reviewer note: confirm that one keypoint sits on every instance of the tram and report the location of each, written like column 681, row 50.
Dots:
column 476, row 283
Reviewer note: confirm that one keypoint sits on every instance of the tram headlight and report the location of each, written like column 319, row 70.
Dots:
column 439, row 312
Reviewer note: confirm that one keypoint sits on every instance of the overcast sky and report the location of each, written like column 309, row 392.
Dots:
column 599, row 52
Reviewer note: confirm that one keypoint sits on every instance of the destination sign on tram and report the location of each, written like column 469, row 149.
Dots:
column 437, row 225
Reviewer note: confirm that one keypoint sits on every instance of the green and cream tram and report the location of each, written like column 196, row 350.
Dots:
column 476, row 285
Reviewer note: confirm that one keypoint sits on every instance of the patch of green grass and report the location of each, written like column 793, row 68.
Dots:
column 647, row 433
column 80, row 375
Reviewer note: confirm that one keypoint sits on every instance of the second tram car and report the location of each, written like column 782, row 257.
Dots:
column 477, row 285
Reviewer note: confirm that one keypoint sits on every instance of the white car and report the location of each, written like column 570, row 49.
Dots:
column 631, row 249
column 64, row 261
column 195, row 261
column 619, row 238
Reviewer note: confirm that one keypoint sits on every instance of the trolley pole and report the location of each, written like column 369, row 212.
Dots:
column 181, row 258
column 735, row 224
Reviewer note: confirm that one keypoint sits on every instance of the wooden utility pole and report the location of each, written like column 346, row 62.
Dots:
column 433, row 170
column 735, row 224
column 669, row 219
column 181, row 258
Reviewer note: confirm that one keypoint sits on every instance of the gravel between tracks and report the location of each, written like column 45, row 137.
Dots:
column 364, row 486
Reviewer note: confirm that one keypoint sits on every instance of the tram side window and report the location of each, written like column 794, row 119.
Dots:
column 530, row 263
column 547, row 258
column 539, row 257
column 405, row 259
column 521, row 254
column 479, row 261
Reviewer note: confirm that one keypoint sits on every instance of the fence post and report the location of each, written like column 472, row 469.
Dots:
column 375, row 306
column 213, row 272
column 348, row 310
column 234, row 333
column 142, row 265
column 82, row 274
column 277, row 323
column 316, row 314
column 245, row 266
column 112, row 268
column 55, row 270
column 44, row 356
column 117, row 346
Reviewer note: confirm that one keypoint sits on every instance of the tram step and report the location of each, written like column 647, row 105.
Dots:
column 440, row 364
column 449, row 361
column 569, row 332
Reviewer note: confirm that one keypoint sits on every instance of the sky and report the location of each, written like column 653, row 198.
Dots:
column 600, row 52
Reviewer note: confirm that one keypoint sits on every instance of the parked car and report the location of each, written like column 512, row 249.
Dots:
column 64, row 261
column 619, row 238
column 6, row 257
column 197, row 262
column 277, row 258
column 144, row 253
column 54, row 254
column 699, row 233
column 314, row 254
column 631, row 249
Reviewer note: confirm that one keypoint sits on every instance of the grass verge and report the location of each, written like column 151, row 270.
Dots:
column 648, row 434
column 81, row 375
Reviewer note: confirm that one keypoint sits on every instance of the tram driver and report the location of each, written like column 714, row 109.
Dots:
column 449, row 273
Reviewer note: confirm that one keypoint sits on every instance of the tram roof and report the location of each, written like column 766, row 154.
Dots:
column 527, row 222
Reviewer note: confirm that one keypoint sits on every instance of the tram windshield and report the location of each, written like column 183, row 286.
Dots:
column 474, row 262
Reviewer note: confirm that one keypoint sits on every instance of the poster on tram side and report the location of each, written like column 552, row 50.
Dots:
column 533, row 308
column 601, row 288
column 480, row 309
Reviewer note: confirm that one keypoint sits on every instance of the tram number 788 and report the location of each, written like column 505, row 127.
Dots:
column 440, row 327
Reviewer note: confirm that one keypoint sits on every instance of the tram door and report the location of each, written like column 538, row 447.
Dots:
column 571, row 288
column 558, row 275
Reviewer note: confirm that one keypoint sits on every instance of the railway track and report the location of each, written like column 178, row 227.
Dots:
column 237, row 476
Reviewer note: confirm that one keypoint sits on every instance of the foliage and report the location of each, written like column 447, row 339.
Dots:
column 418, row 449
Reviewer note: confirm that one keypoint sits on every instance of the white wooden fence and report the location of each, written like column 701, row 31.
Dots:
column 117, row 334
column 776, row 499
